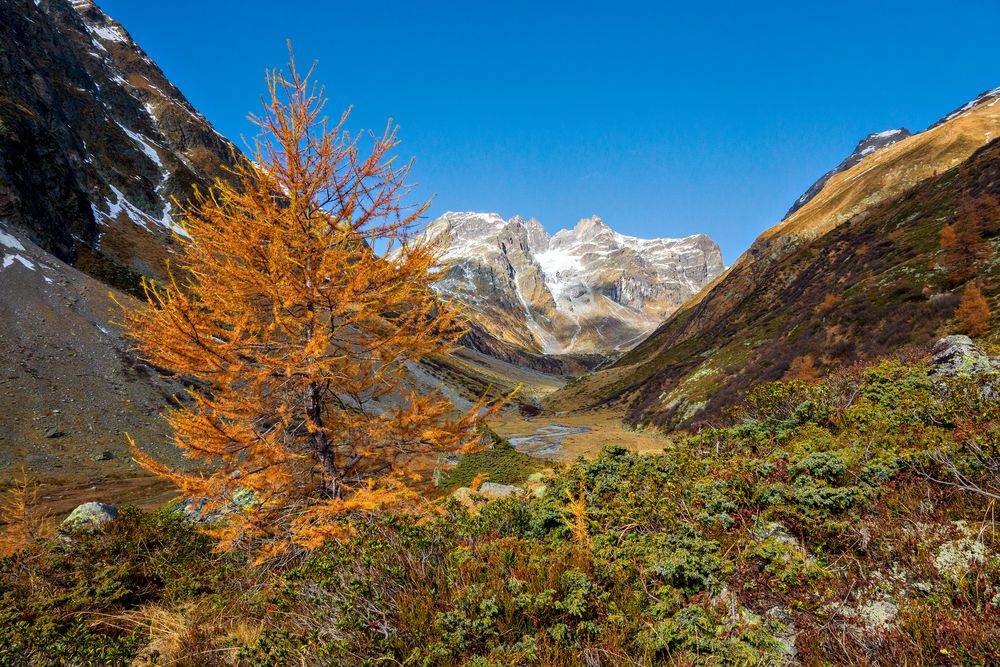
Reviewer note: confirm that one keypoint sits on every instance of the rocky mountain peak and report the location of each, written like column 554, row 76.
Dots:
column 585, row 289
column 538, row 238
column 588, row 229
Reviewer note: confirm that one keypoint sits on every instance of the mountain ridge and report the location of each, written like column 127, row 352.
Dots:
column 95, row 142
column 856, row 274
column 585, row 289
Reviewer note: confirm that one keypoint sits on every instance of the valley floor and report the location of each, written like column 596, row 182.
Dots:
column 587, row 433
column 583, row 435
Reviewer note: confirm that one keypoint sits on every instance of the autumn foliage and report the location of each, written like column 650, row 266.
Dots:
column 27, row 520
column 973, row 312
column 963, row 244
column 804, row 368
column 302, row 300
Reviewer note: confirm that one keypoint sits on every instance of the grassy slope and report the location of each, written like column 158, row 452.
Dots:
column 891, row 172
column 764, row 313
column 499, row 462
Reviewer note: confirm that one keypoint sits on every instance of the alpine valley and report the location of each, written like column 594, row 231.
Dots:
column 790, row 460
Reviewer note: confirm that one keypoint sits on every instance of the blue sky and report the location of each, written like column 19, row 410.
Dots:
column 664, row 118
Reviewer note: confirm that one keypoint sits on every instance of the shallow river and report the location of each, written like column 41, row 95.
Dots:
column 546, row 442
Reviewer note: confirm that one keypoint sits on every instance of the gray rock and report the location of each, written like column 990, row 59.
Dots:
column 90, row 516
column 54, row 432
column 958, row 356
column 775, row 530
column 499, row 490
column 195, row 509
column 106, row 455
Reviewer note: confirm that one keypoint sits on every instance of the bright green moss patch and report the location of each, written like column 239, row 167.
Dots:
column 499, row 461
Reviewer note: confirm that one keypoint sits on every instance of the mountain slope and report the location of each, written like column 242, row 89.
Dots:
column 828, row 289
column 582, row 290
column 94, row 140
column 889, row 172
column 870, row 144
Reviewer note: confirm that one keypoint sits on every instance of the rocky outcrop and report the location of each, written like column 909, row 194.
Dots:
column 94, row 140
column 583, row 290
column 958, row 356
column 198, row 509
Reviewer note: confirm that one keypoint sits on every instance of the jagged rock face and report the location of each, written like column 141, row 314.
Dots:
column 94, row 141
column 586, row 289
column 870, row 144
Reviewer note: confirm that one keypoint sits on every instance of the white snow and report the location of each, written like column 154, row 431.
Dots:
column 555, row 261
column 108, row 33
column 123, row 205
column 10, row 259
column 10, row 242
column 144, row 143
column 970, row 105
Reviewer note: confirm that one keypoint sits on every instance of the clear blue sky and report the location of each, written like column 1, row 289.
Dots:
column 664, row 118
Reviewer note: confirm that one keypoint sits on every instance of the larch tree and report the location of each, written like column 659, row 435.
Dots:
column 26, row 519
column 302, row 300
column 963, row 244
column 973, row 312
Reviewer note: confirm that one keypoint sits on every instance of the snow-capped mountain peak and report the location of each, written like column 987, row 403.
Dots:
column 584, row 289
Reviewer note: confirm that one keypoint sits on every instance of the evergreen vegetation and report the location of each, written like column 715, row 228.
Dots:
column 842, row 521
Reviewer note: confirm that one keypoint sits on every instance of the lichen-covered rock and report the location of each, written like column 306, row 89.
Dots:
column 196, row 509
column 777, row 531
column 877, row 614
column 466, row 496
column 958, row 356
column 492, row 490
column 90, row 516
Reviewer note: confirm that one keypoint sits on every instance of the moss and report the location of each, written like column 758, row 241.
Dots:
column 498, row 460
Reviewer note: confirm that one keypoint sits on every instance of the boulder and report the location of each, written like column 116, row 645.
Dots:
column 492, row 490
column 958, row 356
column 196, row 509
column 89, row 516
